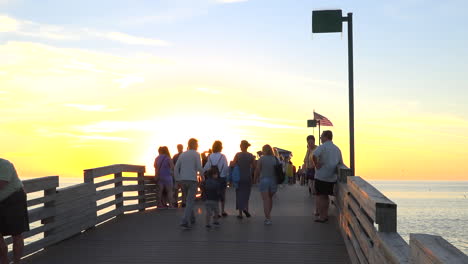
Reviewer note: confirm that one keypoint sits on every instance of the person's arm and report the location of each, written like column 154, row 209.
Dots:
column 258, row 169
column 225, row 166
column 207, row 164
column 199, row 166
column 316, row 156
column 5, row 176
column 234, row 161
column 177, row 170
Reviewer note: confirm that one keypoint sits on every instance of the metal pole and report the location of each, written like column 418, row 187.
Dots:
column 351, row 91
column 319, row 133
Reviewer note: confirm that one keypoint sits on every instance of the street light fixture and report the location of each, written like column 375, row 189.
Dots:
column 330, row 21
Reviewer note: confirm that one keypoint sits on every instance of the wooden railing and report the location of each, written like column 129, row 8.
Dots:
column 56, row 215
column 368, row 223
column 367, row 219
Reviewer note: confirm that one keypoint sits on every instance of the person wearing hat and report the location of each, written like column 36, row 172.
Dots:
column 246, row 163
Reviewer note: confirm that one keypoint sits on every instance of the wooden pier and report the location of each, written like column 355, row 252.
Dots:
column 111, row 218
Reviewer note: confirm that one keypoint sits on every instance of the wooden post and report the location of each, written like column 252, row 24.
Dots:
column 119, row 193
column 49, row 205
column 141, row 191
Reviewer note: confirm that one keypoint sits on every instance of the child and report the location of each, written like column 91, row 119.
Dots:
column 212, row 195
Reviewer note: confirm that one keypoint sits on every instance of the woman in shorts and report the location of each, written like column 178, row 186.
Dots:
column 268, row 186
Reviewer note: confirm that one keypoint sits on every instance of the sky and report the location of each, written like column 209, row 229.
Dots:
column 85, row 84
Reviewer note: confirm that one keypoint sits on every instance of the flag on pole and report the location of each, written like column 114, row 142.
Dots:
column 323, row 120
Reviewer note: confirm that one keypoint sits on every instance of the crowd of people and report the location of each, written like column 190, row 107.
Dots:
column 189, row 170
column 212, row 173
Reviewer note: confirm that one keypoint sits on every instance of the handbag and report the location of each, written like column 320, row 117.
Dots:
column 279, row 172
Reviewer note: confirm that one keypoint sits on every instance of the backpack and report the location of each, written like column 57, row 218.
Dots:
column 215, row 168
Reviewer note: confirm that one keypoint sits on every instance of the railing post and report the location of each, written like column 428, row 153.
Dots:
column 49, row 205
column 119, row 192
column 141, row 191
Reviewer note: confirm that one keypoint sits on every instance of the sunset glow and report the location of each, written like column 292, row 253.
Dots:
column 81, row 90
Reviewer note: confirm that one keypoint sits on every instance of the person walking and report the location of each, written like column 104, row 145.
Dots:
column 14, row 219
column 327, row 157
column 266, row 172
column 212, row 194
column 185, row 171
column 217, row 159
column 246, row 163
column 180, row 150
column 163, row 167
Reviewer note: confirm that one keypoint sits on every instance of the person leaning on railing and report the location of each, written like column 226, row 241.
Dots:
column 13, row 211
column 327, row 157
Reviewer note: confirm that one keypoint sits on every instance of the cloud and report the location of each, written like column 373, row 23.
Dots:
column 53, row 32
column 91, row 108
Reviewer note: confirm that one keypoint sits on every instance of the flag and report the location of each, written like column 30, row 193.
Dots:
column 323, row 120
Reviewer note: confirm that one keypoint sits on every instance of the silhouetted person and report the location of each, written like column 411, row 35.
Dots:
column 185, row 171
column 217, row 159
column 246, row 163
column 266, row 172
column 13, row 211
column 180, row 149
column 309, row 162
column 163, row 167
column 212, row 195
column 327, row 158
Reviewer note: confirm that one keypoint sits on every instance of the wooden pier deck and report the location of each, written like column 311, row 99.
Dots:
column 153, row 236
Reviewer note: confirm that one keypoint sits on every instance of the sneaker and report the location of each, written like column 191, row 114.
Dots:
column 216, row 224
column 208, row 226
column 246, row 213
column 267, row 222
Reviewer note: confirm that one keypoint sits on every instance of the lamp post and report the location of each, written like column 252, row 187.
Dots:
column 330, row 21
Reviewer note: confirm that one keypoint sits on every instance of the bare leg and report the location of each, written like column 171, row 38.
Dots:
column 170, row 196
column 18, row 245
column 3, row 250
column 208, row 217
column 160, row 195
column 223, row 202
column 266, row 204
column 271, row 202
column 323, row 202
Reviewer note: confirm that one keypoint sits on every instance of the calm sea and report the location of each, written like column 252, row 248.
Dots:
column 430, row 207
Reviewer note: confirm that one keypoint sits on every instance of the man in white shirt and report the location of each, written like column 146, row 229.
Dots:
column 327, row 158
column 185, row 174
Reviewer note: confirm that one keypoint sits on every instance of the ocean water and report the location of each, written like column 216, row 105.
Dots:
column 430, row 207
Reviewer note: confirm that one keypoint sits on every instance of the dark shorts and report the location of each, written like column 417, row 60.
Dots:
column 310, row 174
column 14, row 214
column 223, row 183
column 323, row 187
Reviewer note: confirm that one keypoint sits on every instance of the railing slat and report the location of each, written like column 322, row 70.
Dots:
column 40, row 184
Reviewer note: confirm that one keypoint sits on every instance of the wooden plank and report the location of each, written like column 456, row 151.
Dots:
column 40, row 184
column 129, row 179
column 133, row 168
column 381, row 209
column 393, row 247
column 434, row 249
column 131, row 198
column 40, row 213
column 102, row 194
column 103, row 171
column 132, row 188
column 134, row 207
column 345, row 234
column 108, row 215
column 107, row 182
column 110, row 203
column 41, row 200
